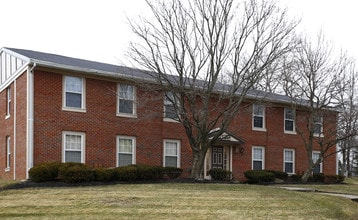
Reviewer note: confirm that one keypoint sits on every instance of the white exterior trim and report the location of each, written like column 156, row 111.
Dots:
column 30, row 120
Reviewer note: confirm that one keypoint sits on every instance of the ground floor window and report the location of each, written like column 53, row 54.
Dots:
column 258, row 158
column 289, row 161
column 171, row 153
column 315, row 157
column 73, row 146
column 125, row 150
column 8, row 152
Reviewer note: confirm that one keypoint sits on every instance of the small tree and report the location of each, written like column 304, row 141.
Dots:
column 205, row 56
column 315, row 79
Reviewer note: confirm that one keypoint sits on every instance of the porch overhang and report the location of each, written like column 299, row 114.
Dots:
column 226, row 139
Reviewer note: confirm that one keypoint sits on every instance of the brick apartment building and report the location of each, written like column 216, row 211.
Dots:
column 57, row 108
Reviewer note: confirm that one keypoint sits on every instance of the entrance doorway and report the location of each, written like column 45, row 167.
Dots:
column 217, row 158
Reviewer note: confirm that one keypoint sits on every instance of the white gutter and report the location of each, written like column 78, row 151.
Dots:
column 30, row 119
column 15, row 125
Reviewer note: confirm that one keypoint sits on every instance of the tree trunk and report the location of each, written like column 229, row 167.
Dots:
column 307, row 174
column 197, row 171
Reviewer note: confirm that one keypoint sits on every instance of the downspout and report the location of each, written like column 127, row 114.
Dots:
column 30, row 119
column 15, row 125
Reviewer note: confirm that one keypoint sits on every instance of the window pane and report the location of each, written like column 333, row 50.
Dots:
column 257, row 165
column 73, row 84
column 289, row 114
column 171, row 149
column 73, row 142
column 124, row 159
column 73, row 100
column 288, row 125
column 257, row 153
column 289, row 156
column 170, row 112
column 258, row 110
column 73, row 156
column 125, row 106
column 171, row 161
column 288, row 167
column 125, row 146
column 126, row 92
column 258, row 122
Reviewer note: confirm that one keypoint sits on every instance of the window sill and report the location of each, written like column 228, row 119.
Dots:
column 318, row 135
column 126, row 115
column 259, row 129
column 82, row 110
column 7, row 116
column 170, row 120
column 7, row 169
column 290, row 132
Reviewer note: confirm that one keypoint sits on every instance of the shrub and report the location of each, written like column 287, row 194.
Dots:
column 173, row 172
column 296, row 178
column 318, row 177
column 333, row 179
column 147, row 172
column 259, row 176
column 127, row 173
column 44, row 172
column 220, row 174
column 104, row 174
column 75, row 173
column 279, row 174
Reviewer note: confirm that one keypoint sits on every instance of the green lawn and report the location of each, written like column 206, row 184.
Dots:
column 172, row 201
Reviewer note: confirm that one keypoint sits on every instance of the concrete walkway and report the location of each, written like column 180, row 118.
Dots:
column 348, row 196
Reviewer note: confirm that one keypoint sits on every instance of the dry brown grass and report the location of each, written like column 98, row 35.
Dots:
column 172, row 201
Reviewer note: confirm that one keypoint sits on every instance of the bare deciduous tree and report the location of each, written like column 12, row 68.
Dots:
column 205, row 56
column 315, row 78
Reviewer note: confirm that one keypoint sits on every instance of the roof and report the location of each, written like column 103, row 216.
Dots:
column 110, row 70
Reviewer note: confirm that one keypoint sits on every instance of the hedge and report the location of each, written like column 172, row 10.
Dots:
column 259, row 176
column 220, row 174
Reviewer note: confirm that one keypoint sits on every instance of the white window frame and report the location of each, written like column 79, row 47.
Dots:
column 178, row 153
column 262, row 160
column 263, row 109
column 8, row 102
column 318, row 121
column 314, row 160
column 83, row 141
column 169, row 103
column 286, row 161
column 133, row 153
column 289, row 119
column 134, row 100
column 8, row 153
column 83, row 95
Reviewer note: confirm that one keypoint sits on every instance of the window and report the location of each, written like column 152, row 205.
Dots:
column 258, row 117
column 74, row 93
column 126, row 100
column 289, row 161
column 171, row 153
column 258, row 156
column 8, row 152
column 169, row 108
column 73, row 147
column 289, row 120
column 318, row 125
column 8, row 102
column 315, row 157
column 125, row 150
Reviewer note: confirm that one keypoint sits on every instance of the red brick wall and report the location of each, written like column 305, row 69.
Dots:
column 18, row 149
column 101, row 126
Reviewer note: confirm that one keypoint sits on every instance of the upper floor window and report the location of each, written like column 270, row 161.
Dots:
column 74, row 93
column 289, row 161
column 171, row 153
column 126, row 100
column 170, row 111
column 258, row 117
column 8, row 152
column 290, row 115
column 258, row 158
column 8, row 101
column 125, row 150
column 318, row 125
column 73, row 144
column 315, row 157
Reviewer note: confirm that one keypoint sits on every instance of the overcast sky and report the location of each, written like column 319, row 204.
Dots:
column 98, row 30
